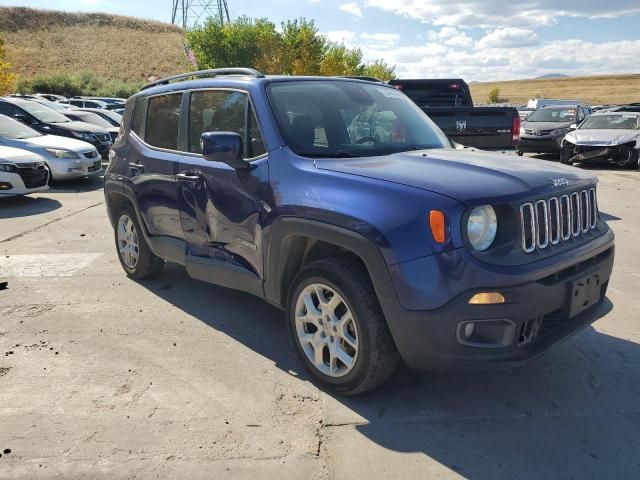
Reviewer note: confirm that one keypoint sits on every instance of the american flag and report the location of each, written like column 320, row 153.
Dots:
column 191, row 58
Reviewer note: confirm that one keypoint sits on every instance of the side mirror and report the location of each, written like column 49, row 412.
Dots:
column 223, row 147
column 573, row 127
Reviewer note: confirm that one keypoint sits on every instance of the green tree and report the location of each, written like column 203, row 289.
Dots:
column 494, row 96
column 304, row 47
column 380, row 70
column 7, row 77
column 340, row 60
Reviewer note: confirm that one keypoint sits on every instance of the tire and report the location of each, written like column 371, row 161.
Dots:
column 376, row 356
column 146, row 265
column 633, row 163
column 565, row 156
column 519, row 153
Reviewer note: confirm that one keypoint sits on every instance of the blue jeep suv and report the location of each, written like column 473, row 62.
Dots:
column 340, row 201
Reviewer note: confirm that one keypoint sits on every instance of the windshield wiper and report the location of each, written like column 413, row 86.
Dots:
column 338, row 154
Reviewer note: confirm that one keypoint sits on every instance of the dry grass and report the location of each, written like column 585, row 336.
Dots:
column 593, row 90
column 111, row 46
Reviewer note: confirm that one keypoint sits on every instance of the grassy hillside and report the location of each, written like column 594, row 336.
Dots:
column 110, row 46
column 594, row 90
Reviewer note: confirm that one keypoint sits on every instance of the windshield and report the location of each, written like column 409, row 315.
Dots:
column 52, row 105
column 554, row 115
column 43, row 113
column 10, row 128
column 91, row 118
column 612, row 122
column 350, row 119
column 112, row 117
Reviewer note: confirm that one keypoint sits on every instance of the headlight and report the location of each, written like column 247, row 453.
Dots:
column 7, row 167
column 560, row 131
column 482, row 227
column 62, row 153
column 83, row 136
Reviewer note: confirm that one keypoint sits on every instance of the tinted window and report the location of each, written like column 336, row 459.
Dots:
column 163, row 118
column 255, row 142
column 558, row 115
column 215, row 111
column 8, row 110
column 138, row 116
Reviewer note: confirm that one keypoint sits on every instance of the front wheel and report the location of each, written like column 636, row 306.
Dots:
column 565, row 156
column 338, row 327
column 519, row 153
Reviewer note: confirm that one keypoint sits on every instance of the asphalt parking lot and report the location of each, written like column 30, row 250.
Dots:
column 103, row 377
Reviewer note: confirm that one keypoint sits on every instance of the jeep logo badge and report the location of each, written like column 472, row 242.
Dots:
column 461, row 125
column 559, row 182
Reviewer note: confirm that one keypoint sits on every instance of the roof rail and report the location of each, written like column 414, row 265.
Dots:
column 205, row 73
column 356, row 77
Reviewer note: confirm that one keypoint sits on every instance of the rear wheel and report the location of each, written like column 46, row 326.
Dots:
column 338, row 327
column 135, row 256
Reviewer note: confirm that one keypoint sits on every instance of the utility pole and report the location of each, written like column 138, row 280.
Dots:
column 189, row 13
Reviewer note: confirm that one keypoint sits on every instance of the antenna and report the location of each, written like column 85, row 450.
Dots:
column 189, row 13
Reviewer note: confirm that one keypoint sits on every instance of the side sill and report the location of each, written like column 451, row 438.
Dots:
column 224, row 274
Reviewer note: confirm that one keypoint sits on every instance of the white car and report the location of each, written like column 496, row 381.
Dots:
column 65, row 157
column 21, row 172
column 612, row 137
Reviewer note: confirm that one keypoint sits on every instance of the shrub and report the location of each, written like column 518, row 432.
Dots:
column 84, row 83
column 494, row 96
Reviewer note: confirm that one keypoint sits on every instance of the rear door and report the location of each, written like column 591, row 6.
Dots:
column 152, row 158
column 220, row 207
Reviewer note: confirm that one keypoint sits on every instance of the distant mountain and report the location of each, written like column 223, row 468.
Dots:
column 554, row 75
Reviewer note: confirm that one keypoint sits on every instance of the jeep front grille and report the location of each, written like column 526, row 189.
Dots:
column 557, row 219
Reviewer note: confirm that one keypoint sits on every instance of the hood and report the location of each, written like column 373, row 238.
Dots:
column 546, row 125
column 17, row 155
column 466, row 176
column 602, row 137
column 55, row 141
column 79, row 127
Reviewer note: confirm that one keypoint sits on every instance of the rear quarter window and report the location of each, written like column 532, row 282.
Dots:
column 163, row 119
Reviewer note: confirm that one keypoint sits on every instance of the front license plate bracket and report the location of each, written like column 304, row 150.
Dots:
column 585, row 293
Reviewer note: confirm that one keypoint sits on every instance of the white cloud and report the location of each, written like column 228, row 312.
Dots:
column 381, row 37
column 353, row 8
column 450, row 36
column 509, row 37
column 341, row 36
column 498, row 13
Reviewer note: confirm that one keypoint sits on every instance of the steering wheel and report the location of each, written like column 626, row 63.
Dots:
column 367, row 139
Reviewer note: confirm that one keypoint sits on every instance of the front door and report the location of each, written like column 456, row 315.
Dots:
column 221, row 209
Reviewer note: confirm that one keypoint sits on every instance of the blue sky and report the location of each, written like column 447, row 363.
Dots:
column 474, row 39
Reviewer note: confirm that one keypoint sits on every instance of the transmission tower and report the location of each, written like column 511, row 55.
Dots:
column 189, row 13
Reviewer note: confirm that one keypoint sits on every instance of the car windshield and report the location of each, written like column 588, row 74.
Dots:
column 319, row 118
column 612, row 122
column 10, row 128
column 112, row 117
column 91, row 118
column 43, row 113
column 52, row 105
column 553, row 115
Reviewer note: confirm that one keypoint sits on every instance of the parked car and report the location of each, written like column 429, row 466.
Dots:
column 51, row 97
column 21, row 172
column 48, row 121
column 612, row 137
column 65, row 157
column 94, row 119
column 82, row 103
column 525, row 112
column 110, row 103
column 57, row 106
column 115, row 119
column 544, row 129
column 449, row 104
column 377, row 246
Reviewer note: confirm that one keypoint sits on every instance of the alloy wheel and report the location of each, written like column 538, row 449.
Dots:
column 128, row 244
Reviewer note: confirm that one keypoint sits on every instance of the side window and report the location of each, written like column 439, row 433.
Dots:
column 7, row 109
column 163, row 118
column 138, row 116
column 255, row 143
column 215, row 111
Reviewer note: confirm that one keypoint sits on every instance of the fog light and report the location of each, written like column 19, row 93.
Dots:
column 486, row 298
column 5, row 186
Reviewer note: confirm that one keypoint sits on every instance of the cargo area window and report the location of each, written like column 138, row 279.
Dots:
column 163, row 118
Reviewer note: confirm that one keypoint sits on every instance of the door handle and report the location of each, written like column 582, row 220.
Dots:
column 189, row 176
column 136, row 168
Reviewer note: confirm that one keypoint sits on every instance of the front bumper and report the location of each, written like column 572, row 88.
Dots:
column 539, row 312
column 68, row 169
column 539, row 144
column 13, row 184
column 618, row 154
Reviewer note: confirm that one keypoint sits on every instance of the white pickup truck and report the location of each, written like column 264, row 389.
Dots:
column 21, row 172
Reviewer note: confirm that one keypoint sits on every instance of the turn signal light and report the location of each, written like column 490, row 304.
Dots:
column 486, row 298
column 438, row 226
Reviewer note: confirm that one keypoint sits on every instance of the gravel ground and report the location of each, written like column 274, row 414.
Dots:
column 102, row 377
